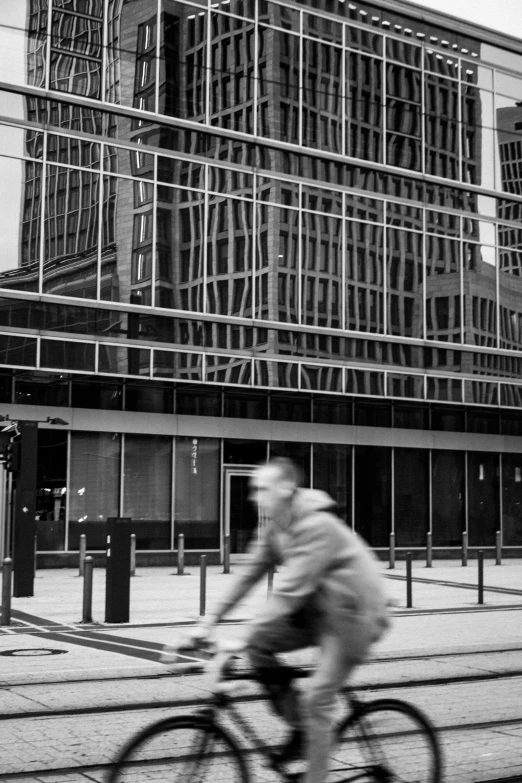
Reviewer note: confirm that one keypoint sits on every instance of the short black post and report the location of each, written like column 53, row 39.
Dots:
column 7, row 590
column 87, row 590
column 133, row 555
column 226, row 554
column 481, row 576
column 409, row 601
column 392, row 550
column 498, row 559
column 117, row 582
column 429, row 550
column 83, row 552
column 181, row 554
column 464, row 548
column 35, row 550
column 270, row 583
column 202, row 585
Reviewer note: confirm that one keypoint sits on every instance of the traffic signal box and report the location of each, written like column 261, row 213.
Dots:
column 12, row 455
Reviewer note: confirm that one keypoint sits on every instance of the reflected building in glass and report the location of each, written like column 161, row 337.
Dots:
column 250, row 228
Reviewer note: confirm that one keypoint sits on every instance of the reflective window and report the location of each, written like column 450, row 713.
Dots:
column 332, row 472
column 321, row 278
column 232, row 73
column 405, row 283
column 196, row 491
column 364, row 277
column 23, row 28
column 441, row 127
column 363, row 107
column 321, row 113
column 67, row 355
column 147, row 486
column 403, row 117
column 277, row 240
column 20, row 205
column 71, row 240
column 508, row 119
column 443, row 289
column 278, row 99
column 511, row 500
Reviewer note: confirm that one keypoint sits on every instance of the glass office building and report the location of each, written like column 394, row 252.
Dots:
column 248, row 228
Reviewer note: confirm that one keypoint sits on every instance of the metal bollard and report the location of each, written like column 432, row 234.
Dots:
column 133, row 554
column 392, row 550
column 202, row 584
column 498, row 542
column 409, row 600
column 464, row 548
column 7, row 590
column 181, row 554
column 481, row 576
column 226, row 555
column 87, row 590
column 429, row 550
column 270, row 583
column 83, row 552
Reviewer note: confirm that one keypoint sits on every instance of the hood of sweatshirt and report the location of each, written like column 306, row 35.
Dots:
column 307, row 501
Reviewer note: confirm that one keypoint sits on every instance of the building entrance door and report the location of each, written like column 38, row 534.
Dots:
column 240, row 518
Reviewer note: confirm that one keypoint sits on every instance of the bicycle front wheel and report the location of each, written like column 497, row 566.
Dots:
column 180, row 750
column 388, row 741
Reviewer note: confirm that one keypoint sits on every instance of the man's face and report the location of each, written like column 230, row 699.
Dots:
column 269, row 491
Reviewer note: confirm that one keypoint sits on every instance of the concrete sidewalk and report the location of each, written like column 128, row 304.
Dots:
column 159, row 595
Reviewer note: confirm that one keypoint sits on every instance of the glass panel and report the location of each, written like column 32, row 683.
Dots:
column 73, row 151
column 403, row 117
column 71, row 233
column 511, row 499
column 365, row 382
column 120, row 360
column 277, row 237
column 229, row 257
column 245, row 405
column 511, row 395
column 441, row 128
column 400, row 385
column 196, row 496
column 332, row 411
column 321, row 107
column 443, row 300
column 147, row 483
column 364, row 274
column 178, row 364
column 197, row 401
column 40, row 388
column 372, row 494
column 444, row 417
column 372, row 414
column 232, row 73
column 322, row 27
column 321, row 279
column 411, row 477
column 412, row 417
column 96, row 393
column 279, row 68
column 228, row 369
column 23, row 27
column 510, row 289
column 481, row 393
column 321, row 378
column 76, row 53
column 288, row 407
column 67, row 355
column 483, row 498
column 447, row 497
column 364, row 107
column 94, row 486
column 20, row 205
column 405, row 283
column 51, row 485
column 17, row 351
column 333, row 474
column 444, row 389
column 478, row 420
column 148, row 397
column 279, row 15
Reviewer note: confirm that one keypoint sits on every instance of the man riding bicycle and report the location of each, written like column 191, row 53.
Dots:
column 330, row 594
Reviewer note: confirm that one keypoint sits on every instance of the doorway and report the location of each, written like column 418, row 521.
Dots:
column 240, row 516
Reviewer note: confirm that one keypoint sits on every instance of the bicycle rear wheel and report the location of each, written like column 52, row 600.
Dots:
column 180, row 750
column 389, row 741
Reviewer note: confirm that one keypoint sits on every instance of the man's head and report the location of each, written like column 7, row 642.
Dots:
column 273, row 485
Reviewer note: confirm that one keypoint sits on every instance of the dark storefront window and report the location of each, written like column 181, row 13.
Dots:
column 94, row 486
column 332, row 410
column 96, row 393
column 288, row 407
column 411, row 496
column 192, row 401
column 371, row 414
column 333, row 474
column 512, row 499
column 483, row 498
column 448, row 419
column 39, row 388
column 448, row 502
column 147, row 482
column 196, row 492
column 413, row 417
column 51, row 490
column 148, row 397
column 245, row 405
column 244, row 452
column 372, row 494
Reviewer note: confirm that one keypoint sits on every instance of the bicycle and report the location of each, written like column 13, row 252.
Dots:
column 385, row 741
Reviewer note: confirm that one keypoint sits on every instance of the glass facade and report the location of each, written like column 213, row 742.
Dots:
column 301, row 213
